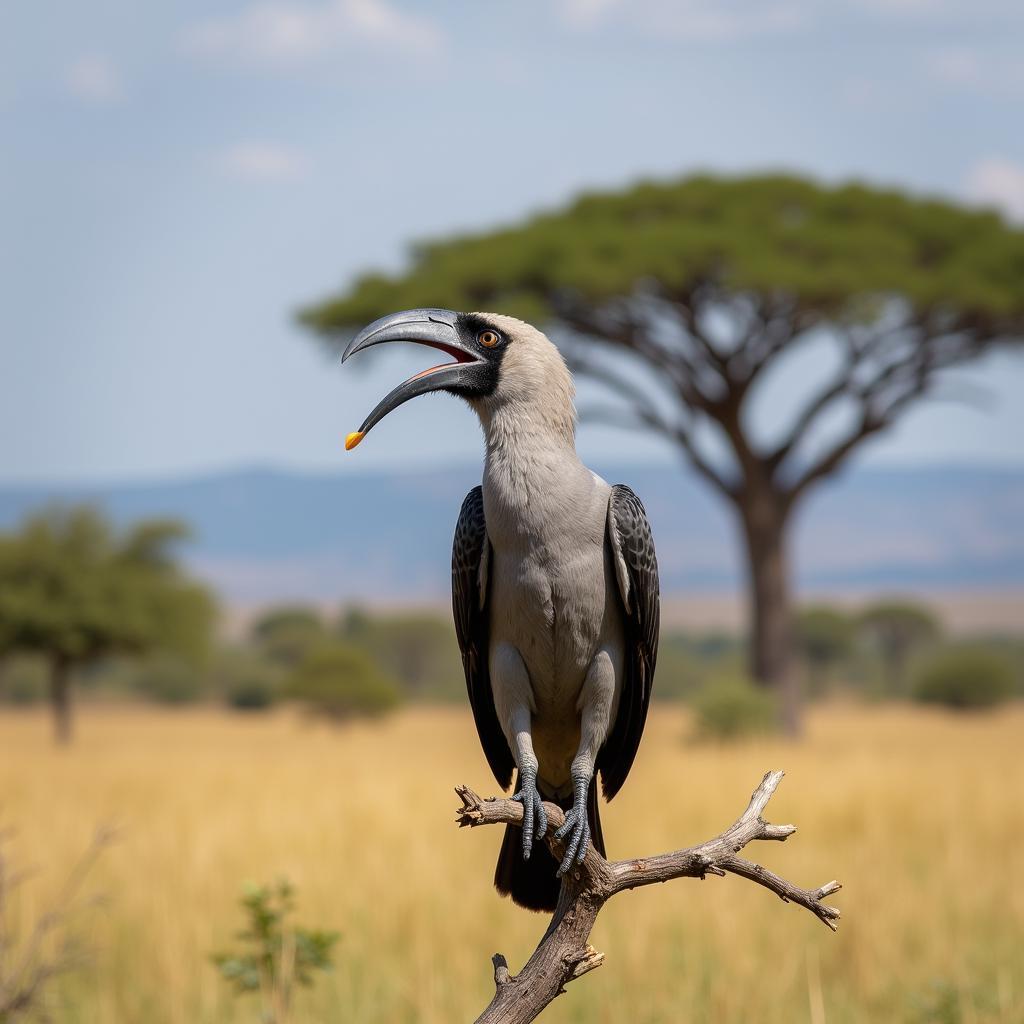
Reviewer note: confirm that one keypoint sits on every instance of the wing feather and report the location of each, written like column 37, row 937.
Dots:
column 470, row 590
column 636, row 572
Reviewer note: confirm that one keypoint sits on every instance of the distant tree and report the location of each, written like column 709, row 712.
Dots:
column 824, row 637
column 897, row 629
column 698, row 289
column 75, row 590
column 287, row 634
column 418, row 648
column 342, row 681
column 964, row 677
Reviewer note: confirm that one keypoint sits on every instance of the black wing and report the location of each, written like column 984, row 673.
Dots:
column 470, row 590
column 636, row 570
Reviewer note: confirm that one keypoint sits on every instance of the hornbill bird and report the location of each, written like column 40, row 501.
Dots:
column 554, row 587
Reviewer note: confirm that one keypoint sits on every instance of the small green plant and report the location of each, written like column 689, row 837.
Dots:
column 276, row 955
column 731, row 707
column 964, row 678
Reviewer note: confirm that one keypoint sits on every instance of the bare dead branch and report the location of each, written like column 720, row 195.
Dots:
column 48, row 950
column 564, row 953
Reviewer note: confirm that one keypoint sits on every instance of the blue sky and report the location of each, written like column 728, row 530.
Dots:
column 177, row 178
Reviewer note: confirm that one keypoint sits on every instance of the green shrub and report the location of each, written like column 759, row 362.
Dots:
column 343, row 682
column 418, row 649
column 896, row 630
column 252, row 694
column 246, row 681
column 964, row 677
column 286, row 634
column 824, row 638
column 168, row 681
column 732, row 707
column 276, row 955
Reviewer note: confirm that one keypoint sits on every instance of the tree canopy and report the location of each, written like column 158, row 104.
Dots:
column 75, row 589
column 827, row 250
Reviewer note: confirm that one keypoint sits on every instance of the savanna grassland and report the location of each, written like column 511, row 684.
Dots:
column 919, row 814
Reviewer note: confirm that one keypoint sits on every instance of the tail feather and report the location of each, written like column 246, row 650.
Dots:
column 534, row 883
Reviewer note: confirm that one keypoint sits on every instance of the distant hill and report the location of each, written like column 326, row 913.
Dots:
column 266, row 535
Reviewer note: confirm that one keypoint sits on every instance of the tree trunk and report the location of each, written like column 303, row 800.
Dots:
column 60, row 698
column 765, row 519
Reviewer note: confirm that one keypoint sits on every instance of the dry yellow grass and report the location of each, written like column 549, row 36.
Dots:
column 919, row 814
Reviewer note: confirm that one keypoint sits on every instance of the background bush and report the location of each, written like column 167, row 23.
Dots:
column 23, row 679
column 417, row 649
column 342, row 681
column 286, row 634
column 168, row 680
column 964, row 677
column 246, row 680
column 732, row 707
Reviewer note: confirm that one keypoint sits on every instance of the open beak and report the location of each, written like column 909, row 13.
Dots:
column 436, row 328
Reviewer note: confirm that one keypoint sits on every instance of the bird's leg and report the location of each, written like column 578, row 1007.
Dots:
column 595, row 707
column 576, row 830
column 513, row 701
column 535, row 819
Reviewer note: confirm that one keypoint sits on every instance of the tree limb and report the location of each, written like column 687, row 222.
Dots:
column 644, row 419
column 564, row 953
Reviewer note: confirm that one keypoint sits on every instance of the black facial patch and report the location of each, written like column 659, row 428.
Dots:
column 484, row 375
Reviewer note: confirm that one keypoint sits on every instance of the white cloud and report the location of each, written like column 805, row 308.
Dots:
column 689, row 19
column 584, row 13
column 941, row 11
column 263, row 161
column 284, row 33
column 998, row 182
column 966, row 69
column 899, row 8
column 729, row 19
column 94, row 79
column 956, row 66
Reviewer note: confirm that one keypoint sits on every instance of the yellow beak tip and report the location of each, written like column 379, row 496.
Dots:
column 353, row 439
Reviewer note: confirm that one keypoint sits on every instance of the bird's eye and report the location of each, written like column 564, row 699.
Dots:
column 488, row 339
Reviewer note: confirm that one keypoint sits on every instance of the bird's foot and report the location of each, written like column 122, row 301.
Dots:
column 576, row 830
column 535, row 819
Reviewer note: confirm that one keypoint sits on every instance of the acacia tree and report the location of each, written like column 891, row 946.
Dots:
column 75, row 590
column 681, row 297
column 824, row 636
column 898, row 628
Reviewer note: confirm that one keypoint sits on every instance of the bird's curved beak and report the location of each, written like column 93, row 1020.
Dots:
column 436, row 328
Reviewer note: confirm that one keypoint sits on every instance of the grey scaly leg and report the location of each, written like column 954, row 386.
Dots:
column 513, row 701
column 535, row 819
column 595, row 705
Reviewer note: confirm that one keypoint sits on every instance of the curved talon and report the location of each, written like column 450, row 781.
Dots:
column 576, row 830
column 535, row 818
